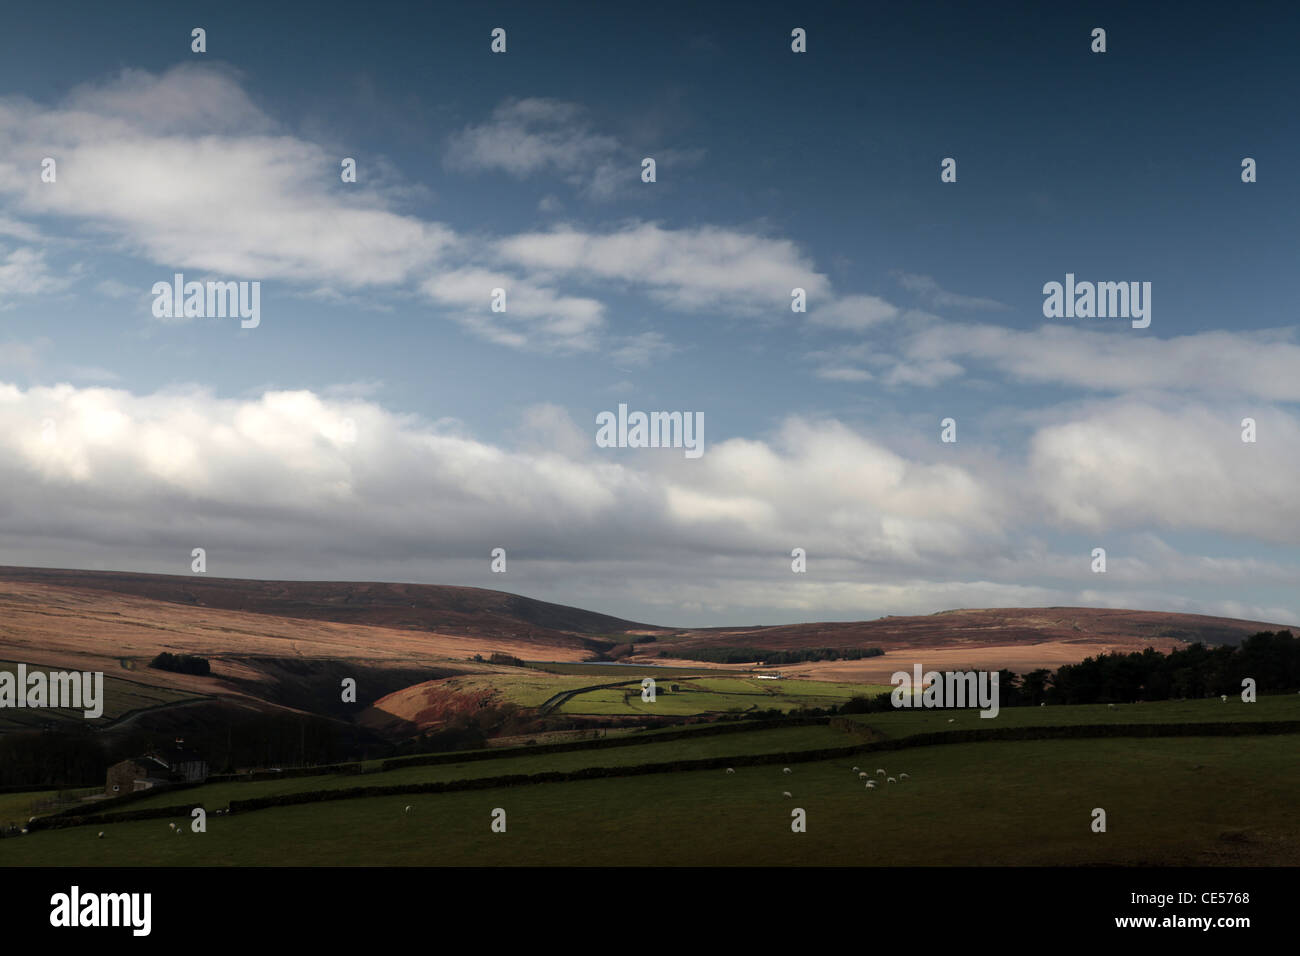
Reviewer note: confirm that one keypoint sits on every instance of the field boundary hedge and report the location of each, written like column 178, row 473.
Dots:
column 501, row 753
column 111, row 802
column 935, row 738
column 252, row 776
column 59, row 823
column 628, row 740
column 1077, row 731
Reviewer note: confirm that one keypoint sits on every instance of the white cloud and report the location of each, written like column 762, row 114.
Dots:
column 853, row 313
column 526, row 137
column 534, row 316
column 273, row 472
column 1264, row 364
column 183, row 169
column 1127, row 464
column 272, row 485
column 843, row 373
column 23, row 272
column 707, row 267
column 641, row 349
column 930, row 290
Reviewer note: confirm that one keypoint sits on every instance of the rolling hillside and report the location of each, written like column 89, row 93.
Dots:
column 286, row 645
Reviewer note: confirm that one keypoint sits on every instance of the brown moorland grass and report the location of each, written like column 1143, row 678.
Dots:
column 85, row 629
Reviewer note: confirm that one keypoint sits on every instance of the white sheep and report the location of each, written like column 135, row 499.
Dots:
column 871, row 785
column 952, row 720
column 892, row 780
column 855, row 769
column 101, row 834
column 1111, row 706
column 863, row 775
column 1042, row 703
column 171, row 826
column 787, row 793
column 1224, row 698
column 730, row 770
column 902, row 776
column 880, row 773
column 787, row 770
column 408, row 809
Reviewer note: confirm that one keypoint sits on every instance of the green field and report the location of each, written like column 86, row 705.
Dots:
column 715, row 694
column 781, row 740
column 702, row 691
column 1185, row 800
column 516, row 686
column 1170, row 801
column 613, row 672
column 902, row 722
column 15, row 808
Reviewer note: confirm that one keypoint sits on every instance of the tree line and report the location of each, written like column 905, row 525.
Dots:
column 768, row 658
column 1270, row 658
column 182, row 664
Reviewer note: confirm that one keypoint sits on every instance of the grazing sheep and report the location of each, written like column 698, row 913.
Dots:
column 892, row 780
column 855, row 769
column 1224, row 698
column 786, row 793
column 101, row 834
column 1042, row 703
column 730, row 770
column 902, row 776
column 952, row 720
column 1111, row 706
column 880, row 773
column 787, row 770
column 171, row 826
column 871, row 785
column 408, row 809
column 863, row 774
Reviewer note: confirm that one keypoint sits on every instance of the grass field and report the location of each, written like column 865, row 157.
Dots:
column 894, row 724
column 15, row 808
column 613, row 672
column 517, row 687
column 1169, row 801
column 699, row 692
column 902, row 722
column 716, row 694
column 781, row 740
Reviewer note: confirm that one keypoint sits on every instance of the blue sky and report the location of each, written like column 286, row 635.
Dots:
column 775, row 169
